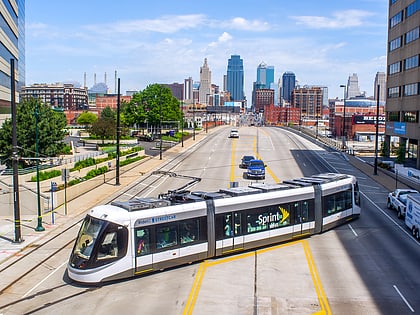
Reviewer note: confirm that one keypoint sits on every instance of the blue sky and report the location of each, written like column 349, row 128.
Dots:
column 322, row 42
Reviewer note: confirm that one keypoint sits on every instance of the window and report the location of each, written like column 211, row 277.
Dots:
column 395, row 44
column 167, row 235
column 411, row 62
column 396, row 19
column 189, row 231
column 393, row 1
column 142, row 241
column 393, row 116
column 412, row 8
column 412, row 35
column 411, row 89
column 411, row 117
column 395, row 68
column 337, row 202
column 394, row 92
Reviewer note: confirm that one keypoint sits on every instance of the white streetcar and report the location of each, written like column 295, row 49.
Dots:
column 142, row 235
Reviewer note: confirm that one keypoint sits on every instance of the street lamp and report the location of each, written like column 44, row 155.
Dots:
column 39, row 227
column 160, row 124
column 344, row 116
column 182, row 124
column 193, row 124
column 375, row 169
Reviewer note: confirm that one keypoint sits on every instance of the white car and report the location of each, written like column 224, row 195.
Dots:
column 234, row 133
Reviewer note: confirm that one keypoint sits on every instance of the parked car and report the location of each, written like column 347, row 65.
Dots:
column 398, row 200
column 256, row 169
column 234, row 133
column 245, row 161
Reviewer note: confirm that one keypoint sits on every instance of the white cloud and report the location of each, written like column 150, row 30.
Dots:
column 339, row 20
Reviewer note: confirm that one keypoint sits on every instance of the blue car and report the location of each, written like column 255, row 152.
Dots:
column 256, row 169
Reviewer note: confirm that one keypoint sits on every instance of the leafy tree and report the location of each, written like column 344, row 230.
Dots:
column 104, row 128
column 108, row 112
column 149, row 104
column 400, row 159
column 51, row 132
column 86, row 119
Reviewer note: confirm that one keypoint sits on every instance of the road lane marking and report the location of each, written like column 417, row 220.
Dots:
column 199, row 277
column 43, row 280
column 404, row 299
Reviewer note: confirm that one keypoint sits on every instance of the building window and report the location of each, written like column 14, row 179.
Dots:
column 395, row 68
column 394, row 92
column 411, row 62
column 412, row 35
column 393, row 1
column 412, row 117
column 396, row 19
column 412, row 8
column 393, row 116
column 411, row 89
column 395, row 44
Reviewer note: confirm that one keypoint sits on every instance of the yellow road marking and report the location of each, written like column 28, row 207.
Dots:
column 323, row 301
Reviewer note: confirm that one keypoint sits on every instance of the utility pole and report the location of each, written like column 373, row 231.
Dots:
column 16, row 204
column 117, row 159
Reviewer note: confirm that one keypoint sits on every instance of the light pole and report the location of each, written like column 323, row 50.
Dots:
column 182, row 124
column 344, row 116
column 375, row 169
column 193, row 124
column 160, row 124
column 39, row 227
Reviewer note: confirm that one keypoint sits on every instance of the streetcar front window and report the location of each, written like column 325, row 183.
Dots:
column 88, row 234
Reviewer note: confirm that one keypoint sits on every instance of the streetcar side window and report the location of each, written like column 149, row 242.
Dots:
column 142, row 241
column 189, row 231
column 337, row 202
column 271, row 217
column 167, row 235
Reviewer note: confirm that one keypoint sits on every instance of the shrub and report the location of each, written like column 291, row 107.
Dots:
column 46, row 175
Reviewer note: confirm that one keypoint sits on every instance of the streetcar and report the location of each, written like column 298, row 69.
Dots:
column 128, row 238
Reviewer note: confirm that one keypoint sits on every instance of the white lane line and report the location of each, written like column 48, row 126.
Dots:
column 351, row 228
column 403, row 298
column 43, row 280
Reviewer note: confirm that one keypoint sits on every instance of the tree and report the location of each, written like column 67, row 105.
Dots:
column 51, row 132
column 86, row 119
column 400, row 159
column 104, row 128
column 147, row 106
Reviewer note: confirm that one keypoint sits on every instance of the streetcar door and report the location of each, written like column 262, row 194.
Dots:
column 143, row 255
column 232, row 238
column 300, row 210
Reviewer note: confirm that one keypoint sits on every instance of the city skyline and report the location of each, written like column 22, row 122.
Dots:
column 321, row 44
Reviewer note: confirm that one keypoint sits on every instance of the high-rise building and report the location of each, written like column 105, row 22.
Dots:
column 188, row 91
column 12, row 44
column 235, row 78
column 289, row 84
column 403, row 76
column 353, row 89
column 205, row 84
column 265, row 75
column 380, row 79
column 309, row 99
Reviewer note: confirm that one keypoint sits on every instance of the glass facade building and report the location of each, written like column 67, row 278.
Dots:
column 289, row 84
column 235, row 78
column 265, row 75
column 12, row 46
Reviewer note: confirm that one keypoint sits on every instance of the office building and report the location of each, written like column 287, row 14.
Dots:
column 265, row 75
column 309, row 100
column 380, row 79
column 235, row 78
column 12, row 44
column 289, row 84
column 263, row 97
column 188, row 90
column 403, row 77
column 353, row 89
column 204, row 91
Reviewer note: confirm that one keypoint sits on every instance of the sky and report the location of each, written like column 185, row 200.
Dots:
column 322, row 42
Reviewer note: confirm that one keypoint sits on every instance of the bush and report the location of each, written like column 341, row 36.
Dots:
column 84, row 163
column 96, row 172
column 46, row 175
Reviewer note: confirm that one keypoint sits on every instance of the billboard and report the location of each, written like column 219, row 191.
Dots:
column 368, row 119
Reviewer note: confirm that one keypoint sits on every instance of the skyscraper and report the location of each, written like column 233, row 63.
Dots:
column 12, row 46
column 289, row 84
column 380, row 79
column 265, row 75
column 353, row 89
column 205, row 83
column 235, row 78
